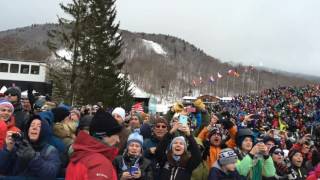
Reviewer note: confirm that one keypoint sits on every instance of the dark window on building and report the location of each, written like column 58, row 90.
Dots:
column 14, row 68
column 35, row 69
column 24, row 69
column 4, row 67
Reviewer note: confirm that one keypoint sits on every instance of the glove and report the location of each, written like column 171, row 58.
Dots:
column 25, row 151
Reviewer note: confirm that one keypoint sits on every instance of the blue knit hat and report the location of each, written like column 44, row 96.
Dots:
column 135, row 137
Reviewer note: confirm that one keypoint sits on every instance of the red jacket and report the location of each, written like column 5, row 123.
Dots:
column 91, row 160
column 7, row 126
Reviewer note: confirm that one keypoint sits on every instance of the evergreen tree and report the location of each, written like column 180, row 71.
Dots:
column 68, row 36
column 103, row 67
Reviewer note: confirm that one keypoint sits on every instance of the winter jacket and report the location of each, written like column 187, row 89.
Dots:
column 53, row 140
column 253, row 168
column 5, row 127
column 44, row 164
column 173, row 170
column 216, row 173
column 124, row 163
column 297, row 173
column 150, row 143
column 214, row 151
column 91, row 159
column 21, row 117
column 201, row 172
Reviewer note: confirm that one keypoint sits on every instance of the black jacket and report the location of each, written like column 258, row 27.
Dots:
column 20, row 116
column 123, row 163
column 169, row 170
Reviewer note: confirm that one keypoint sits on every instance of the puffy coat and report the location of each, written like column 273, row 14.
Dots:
column 91, row 159
column 44, row 164
column 123, row 164
column 170, row 169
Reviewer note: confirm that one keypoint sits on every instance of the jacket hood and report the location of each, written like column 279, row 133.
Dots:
column 48, row 116
column 45, row 132
column 85, row 145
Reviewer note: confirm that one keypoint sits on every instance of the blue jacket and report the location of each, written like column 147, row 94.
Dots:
column 45, row 164
column 53, row 140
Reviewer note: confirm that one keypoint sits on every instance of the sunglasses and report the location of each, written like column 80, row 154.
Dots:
column 163, row 127
column 278, row 153
column 10, row 94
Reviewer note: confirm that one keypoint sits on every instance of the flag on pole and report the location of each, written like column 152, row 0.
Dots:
column 194, row 83
column 219, row 75
column 211, row 80
column 138, row 107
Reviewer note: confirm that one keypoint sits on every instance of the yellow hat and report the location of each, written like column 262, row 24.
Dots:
column 178, row 107
column 199, row 104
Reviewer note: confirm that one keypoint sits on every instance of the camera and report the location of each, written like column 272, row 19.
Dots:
column 17, row 137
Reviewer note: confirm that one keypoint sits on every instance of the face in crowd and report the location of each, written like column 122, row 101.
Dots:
column 160, row 129
column 111, row 140
column 278, row 156
column 247, row 144
column 5, row 113
column 178, row 147
column 34, row 130
column 134, row 149
column 13, row 98
column 215, row 139
column 297, row 160
column 134, row 122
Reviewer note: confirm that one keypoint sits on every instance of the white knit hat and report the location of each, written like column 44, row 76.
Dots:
column 120, row 111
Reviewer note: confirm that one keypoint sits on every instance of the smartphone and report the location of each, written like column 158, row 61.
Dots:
column 183, row 120
column 133, row 170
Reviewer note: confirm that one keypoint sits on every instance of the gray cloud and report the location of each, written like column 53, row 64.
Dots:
column 281, row 34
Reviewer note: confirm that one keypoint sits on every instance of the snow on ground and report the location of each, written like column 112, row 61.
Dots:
column 157, row 48
column 64, row 53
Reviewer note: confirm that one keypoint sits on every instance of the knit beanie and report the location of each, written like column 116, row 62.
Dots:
column 5, row 103
column 227, row 156
column 181, row 138
column 120, row 111
column 60, row 113
column 215, row 130
column 103, row 124
column 14, row 91
column 135, row 137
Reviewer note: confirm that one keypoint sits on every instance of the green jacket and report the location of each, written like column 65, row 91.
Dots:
column 201, row 172
column 255, row 169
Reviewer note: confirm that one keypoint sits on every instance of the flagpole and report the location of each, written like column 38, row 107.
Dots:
column 227, row 86
column 234, row 84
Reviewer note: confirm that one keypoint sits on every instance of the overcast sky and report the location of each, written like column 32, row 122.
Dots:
column 281, row 34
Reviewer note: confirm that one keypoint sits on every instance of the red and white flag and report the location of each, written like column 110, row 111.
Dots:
column 138, row 107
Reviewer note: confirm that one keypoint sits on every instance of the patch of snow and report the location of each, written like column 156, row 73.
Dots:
column 137, row 92
column 64, row 53
column 157, row 48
